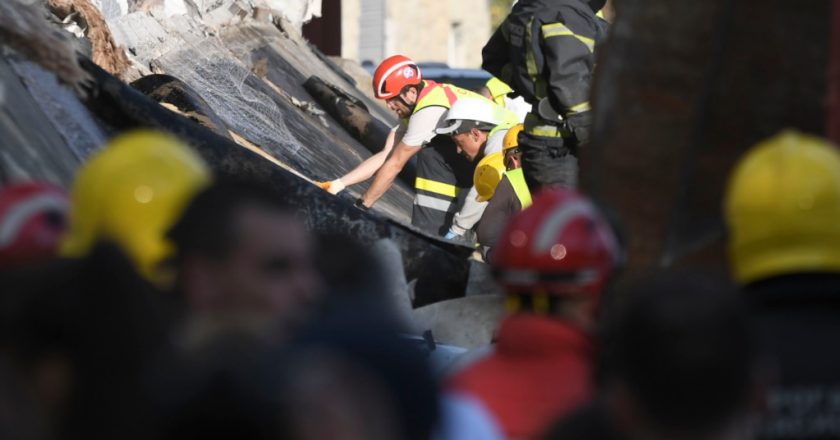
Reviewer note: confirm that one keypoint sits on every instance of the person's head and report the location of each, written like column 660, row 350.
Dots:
column 398, row 81
column 33, row 219
column 556, row 257
column 469, row 122
column 130, row 194
column 241, row 249
column 352, row 375
column 230, row 387
column 511, row 150
column 680, row 360
column 782, row 209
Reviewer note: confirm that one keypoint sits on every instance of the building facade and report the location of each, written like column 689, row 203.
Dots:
column 449, row 31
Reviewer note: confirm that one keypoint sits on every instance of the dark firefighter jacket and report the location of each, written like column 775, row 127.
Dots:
column 545, row 49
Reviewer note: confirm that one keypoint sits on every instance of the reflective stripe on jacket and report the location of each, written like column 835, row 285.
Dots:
column 544, row 49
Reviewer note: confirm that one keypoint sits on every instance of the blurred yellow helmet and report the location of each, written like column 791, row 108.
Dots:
column 488, row 174
column 782, row 208
column 130, row 194
column 511, row 139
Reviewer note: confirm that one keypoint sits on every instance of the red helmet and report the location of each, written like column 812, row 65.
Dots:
column 33, row 218
column 561, row 245
column 393, row 74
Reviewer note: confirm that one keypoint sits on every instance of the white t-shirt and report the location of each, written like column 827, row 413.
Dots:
column 421, row 126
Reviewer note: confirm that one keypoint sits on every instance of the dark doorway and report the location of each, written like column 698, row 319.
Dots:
column 325, row 31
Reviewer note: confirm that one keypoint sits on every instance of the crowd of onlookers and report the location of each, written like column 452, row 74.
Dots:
column 158, row 301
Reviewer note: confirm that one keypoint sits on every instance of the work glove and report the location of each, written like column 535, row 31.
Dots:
column 581, row 125
column 360, row 204
column 333, row 187
column 451, row 235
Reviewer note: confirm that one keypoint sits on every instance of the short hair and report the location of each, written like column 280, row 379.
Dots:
column 419, row 86
column 469, row 124
column 681, row 343
column 208, row 225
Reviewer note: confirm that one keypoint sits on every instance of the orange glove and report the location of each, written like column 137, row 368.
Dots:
column 333, row 187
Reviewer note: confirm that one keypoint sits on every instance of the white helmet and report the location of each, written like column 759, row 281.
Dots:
column 479, row 110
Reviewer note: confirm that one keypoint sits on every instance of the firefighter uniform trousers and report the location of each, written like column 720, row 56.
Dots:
column 443, row 180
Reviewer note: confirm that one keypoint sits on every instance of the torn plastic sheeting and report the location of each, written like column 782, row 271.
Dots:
column 296, row 11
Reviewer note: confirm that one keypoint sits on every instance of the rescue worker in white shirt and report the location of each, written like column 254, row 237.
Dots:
column 442, row 174
column 478, row 128
column 545, row 50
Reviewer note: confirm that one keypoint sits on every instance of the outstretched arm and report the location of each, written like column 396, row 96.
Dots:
column 367, row 169
column 388, row 172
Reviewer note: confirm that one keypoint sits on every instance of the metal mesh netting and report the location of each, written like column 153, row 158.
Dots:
column 252, row 109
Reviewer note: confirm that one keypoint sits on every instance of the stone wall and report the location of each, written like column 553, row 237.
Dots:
column 427, row 30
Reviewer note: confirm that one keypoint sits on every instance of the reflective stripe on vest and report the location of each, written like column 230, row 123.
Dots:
column 444, row 189
column 441, row 95
column 498, row 90
column 498, row 128
column 517, row 180
column 435, row 203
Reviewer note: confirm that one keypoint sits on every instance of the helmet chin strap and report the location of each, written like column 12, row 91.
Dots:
column 409, row 106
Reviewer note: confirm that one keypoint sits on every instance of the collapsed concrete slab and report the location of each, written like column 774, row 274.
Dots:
column 248, row 80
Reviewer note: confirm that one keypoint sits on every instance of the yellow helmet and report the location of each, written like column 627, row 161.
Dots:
column 130, row 194
column 488, row 174
column 782, row 208
column 511, row 139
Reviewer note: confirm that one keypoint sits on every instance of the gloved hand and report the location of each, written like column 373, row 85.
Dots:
column 360, row 204
column 451, row 235
column 547, row 112
column 581, row 125
column 333, row 187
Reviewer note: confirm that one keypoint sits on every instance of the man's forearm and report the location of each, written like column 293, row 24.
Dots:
column 369, row 166
column 381, row 183
column 366, row 169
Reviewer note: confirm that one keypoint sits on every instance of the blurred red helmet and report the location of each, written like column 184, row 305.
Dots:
column 393, row 74
column 33, row 218
column 561, row 245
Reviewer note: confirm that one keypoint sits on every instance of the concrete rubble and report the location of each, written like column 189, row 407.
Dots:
column 243, row 63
